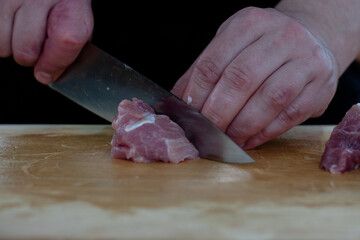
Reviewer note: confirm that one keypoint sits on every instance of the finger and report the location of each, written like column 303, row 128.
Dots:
column 277, row 92
column 207, row 69
column 7, row 13
column 29, row 31
column 297, row 112
column 70, row 25
column 180, row 85
column 241, row 79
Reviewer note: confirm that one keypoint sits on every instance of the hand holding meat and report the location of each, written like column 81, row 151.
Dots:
column 267, row 70
column 46, row 34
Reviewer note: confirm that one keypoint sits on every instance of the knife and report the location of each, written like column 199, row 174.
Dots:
column 99, row 82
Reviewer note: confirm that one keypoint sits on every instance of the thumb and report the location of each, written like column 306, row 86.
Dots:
column 70, row 25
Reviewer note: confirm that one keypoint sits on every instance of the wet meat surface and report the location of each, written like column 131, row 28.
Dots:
column 143, row 136
column 342, row 151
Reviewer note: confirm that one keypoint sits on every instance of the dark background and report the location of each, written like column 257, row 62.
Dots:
column 160, row 42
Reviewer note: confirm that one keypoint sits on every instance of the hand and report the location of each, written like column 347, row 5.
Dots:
column 47, row 34
column 262, row 74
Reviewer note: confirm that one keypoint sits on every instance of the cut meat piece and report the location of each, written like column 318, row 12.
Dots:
column 142, row 136
column 342, row 151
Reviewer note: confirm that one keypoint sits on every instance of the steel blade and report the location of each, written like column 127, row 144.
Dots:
column 99, row 82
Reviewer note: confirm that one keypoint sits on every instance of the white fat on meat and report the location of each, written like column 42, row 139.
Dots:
column 142, row 136
column 148, row 118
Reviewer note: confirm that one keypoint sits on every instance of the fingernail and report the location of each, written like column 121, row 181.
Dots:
column 189, row 100
column 43, row 77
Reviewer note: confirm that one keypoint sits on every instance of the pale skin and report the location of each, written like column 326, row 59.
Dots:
column 46, row 34
column 264, row 72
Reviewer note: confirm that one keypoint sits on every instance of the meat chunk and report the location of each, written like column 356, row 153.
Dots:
column 342, row 151
column 142, row 136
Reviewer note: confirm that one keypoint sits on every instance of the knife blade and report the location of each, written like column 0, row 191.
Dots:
column 99, row 82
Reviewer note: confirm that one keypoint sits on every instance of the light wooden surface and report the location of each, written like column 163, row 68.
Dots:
column 59, row 182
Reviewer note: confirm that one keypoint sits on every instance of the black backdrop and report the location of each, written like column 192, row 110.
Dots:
column 160, row 41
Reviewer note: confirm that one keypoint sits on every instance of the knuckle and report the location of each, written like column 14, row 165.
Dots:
column 10, row 6
column 216, row 117
column 24, row 58
column 249, row 16
column 320, row 110
column 330, row 86
column 71, row 33
column 224, row 25
column 253, row 14
column 238, row 78
column 72, row 40
column 265, row 135
column 278, row 97
column 290, row 34
column 244, row 130
column 237, row 132
column 322, row 62
column 292, row 114
column 206, row 73
column 27, row 55
column 294, row 30
column 319, row 113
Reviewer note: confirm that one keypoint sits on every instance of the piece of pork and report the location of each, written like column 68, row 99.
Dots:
column 142, row 136
column 342, row 151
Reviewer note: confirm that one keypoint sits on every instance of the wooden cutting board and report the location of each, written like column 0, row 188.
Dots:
column 60, row 182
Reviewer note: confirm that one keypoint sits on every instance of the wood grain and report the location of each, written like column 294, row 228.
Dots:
column 59, row 181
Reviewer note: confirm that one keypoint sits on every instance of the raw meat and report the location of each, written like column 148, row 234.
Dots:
column 342, row 151
column 142, row 136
